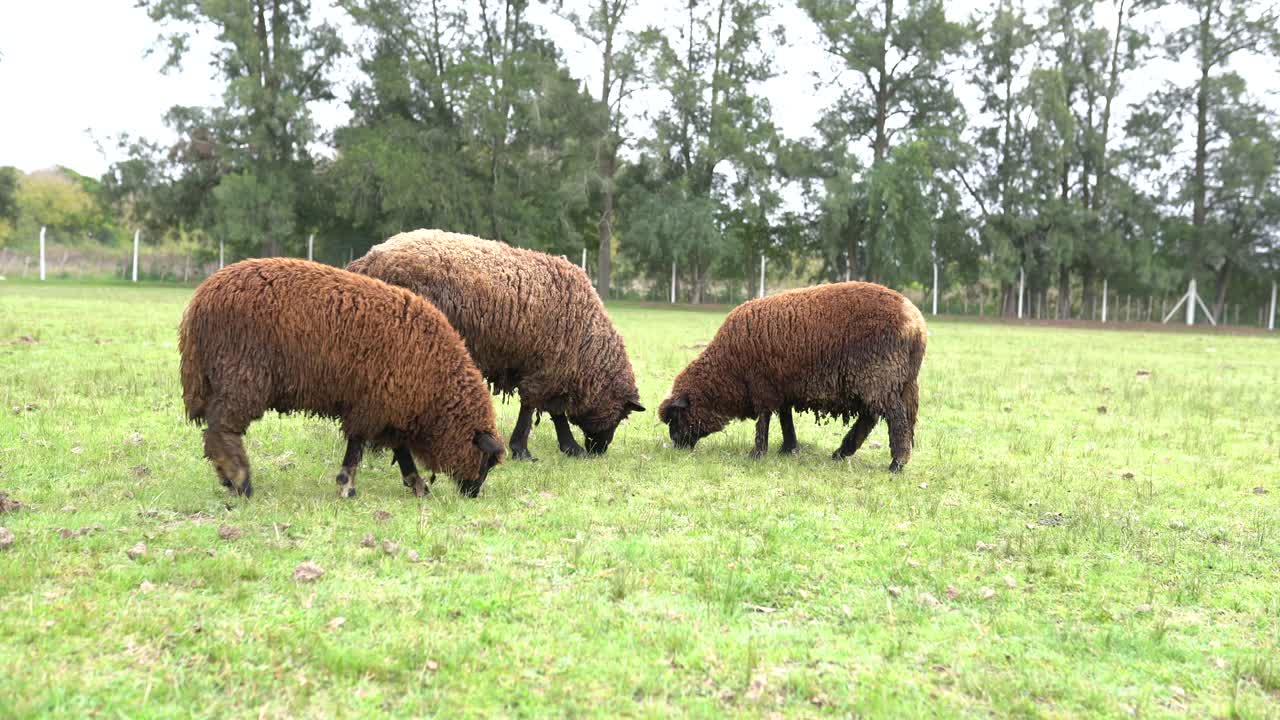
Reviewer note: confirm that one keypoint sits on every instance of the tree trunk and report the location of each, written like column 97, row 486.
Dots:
column 603, row 269
column 1198, row 187
column 1224, row 280
column 608, row 153
column 1064, row 292
column 1088, row 301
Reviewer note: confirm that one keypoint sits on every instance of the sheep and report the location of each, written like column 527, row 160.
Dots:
column 296, row 336
column 532, row 323
column 847, row 349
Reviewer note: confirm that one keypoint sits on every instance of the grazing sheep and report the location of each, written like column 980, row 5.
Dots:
column 532, row 322
column 296, row 336
column 849, row 349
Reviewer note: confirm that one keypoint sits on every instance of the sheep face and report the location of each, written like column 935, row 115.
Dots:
column 598, row 430
column 483, row 453
column 689, row 420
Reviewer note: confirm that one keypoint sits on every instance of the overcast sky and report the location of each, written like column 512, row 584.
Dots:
column 74, row 74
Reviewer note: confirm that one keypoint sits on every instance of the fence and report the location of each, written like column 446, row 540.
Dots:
column 51, row 259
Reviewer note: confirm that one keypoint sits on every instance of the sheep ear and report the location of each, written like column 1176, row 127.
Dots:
column 681, row 402
column 634, row 406
column 488, row 443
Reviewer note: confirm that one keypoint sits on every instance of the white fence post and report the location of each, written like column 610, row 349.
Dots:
column 762, row 262
column 221, row 248
column 935, row 287
column 1022, row 277
column 673, row 282
column 584, row 259
column 42, row 229
column 1104, row 299
column 136, row 234
column 1271, row 318
column 311, row 246
column 1191, row 302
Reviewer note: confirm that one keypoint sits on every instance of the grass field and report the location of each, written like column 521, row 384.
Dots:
column 1072, row 538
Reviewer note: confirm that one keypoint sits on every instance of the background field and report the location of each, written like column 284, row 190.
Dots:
column 1072, row 538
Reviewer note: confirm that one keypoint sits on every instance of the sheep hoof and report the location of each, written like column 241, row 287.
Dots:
column 522, row 453
column 241, row 484
column 789, row 449
column 895, row 467
column 417, row 485
column 757, row 453
column 838, row 455
column 573, row 450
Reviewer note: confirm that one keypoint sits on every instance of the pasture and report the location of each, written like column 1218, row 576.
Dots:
column 1090, row 526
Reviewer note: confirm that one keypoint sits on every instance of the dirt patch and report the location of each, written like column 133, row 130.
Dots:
column 8, row 504
column 307, row 572
column 69, row 534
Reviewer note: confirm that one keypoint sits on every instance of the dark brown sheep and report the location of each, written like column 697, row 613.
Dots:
column 532, row 323
column 297, row 336
column 849, row 349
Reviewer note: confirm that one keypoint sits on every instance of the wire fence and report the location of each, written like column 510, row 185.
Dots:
column 54, row 260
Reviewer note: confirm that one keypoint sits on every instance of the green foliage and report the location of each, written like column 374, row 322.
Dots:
column 466, row 121
column 8, row 202
column 467, row 116
column 713, row 122
column 899, row 104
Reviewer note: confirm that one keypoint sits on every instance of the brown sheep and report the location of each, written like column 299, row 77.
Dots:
column 532, row 323
column 849, row 349
column 296, row 336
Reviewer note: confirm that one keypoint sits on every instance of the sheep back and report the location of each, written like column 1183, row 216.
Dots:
column 839, row 350
column 529, row 319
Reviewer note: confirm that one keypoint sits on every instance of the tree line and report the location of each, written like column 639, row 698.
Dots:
column 664, row 151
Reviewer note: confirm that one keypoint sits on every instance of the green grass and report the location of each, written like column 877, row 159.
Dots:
column 1038, row 557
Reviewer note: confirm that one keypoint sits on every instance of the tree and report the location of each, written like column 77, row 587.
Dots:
column 1006, row 43
column 275, row 64
column 53, row 199
column 602, row 27
column 712, row 115
column 1221, row 31
column 8, row 202
column 894, row 91
column 467, row 120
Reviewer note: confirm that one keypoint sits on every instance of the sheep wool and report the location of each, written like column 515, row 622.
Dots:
column 851, row 349
column 296, row 336
column 532, row 323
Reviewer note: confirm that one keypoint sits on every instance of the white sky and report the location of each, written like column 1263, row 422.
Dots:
column 75, row 70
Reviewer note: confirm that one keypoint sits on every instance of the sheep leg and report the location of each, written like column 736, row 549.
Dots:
column 789, row 444
column 520, row 435
column 350, row 463
column 900, row 434
column 409, row 471
column 225, row 449
column 564, row 435
column 762, row 435
column 857, row 434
